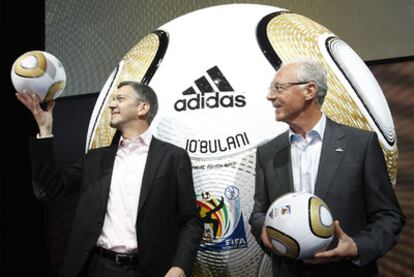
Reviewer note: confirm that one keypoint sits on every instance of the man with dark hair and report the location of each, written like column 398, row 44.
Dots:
column 137, row 213
column 342, row 165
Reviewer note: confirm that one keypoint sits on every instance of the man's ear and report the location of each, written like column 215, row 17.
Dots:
column 143, row 108
column 310, row 91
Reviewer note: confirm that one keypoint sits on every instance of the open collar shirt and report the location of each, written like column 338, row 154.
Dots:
column 305, row 155
column 119, row 231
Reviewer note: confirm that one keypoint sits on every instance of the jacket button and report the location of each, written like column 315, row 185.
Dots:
column 86, row 252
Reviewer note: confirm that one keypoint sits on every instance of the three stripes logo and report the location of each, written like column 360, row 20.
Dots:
column 213, row 94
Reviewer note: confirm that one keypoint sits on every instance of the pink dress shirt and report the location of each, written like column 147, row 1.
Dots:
column 119, row 232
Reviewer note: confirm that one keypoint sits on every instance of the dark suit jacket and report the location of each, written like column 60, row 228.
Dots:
column 355, row 185
column 168, row 226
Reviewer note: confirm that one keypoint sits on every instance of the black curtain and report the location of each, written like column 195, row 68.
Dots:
column 23, row 233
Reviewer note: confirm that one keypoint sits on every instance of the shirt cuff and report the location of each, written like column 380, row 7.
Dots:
column 43, row 137
column 356, row 261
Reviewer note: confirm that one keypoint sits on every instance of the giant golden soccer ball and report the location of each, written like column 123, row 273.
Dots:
column 211, row 69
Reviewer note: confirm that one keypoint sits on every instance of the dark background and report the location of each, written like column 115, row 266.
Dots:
column 23, row 230
column 33, row 233
column 27, row 227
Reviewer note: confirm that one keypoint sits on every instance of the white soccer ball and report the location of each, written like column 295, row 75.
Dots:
column 39, row 72
column 299, row 224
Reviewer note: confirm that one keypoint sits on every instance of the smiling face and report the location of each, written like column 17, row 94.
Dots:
column 286, row 95
column 125, row 108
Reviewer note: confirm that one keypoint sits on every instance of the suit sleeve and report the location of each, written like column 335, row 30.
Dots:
column 261, row 203
column 48, row 182
column 385, row 219
column 190, row 221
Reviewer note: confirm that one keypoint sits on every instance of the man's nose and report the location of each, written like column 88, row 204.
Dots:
column 112, row 104
column 271, row 96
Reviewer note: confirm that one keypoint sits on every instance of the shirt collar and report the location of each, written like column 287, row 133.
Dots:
column 317, row 131
column 145, row 137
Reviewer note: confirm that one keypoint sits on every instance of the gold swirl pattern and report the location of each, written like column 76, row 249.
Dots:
column 37, row 71
column 292, row 246
column 53, row 90
column 136, row 64
column 316, row 226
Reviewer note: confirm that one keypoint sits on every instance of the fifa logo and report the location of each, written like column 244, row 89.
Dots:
column 223, row 220
column 210, row 97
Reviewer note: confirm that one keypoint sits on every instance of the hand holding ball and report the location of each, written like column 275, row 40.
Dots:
column 39, row 72
column 298, row 225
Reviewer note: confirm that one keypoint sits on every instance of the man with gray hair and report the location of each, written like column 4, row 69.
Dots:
column 137, row 212
column 342, row 165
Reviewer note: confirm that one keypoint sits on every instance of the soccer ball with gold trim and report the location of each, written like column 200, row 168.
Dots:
column 299, row 224
column 39, row 72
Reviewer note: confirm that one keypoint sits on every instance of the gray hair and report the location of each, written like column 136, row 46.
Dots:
column 310, row 70
column 144, row 93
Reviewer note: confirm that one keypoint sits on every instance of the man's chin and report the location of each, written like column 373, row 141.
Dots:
column 279, row 117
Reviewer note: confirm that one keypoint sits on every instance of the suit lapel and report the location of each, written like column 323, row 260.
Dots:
column 107, row 165
column 282, row 164
column 332, row 153
column 155, row 155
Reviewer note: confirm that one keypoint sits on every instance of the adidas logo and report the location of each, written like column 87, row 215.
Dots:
column 214, row 93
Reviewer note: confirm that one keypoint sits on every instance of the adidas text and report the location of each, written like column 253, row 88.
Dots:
column 215, row 101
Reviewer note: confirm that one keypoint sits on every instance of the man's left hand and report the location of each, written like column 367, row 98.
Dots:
column 175, row 271
column 345, row 250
